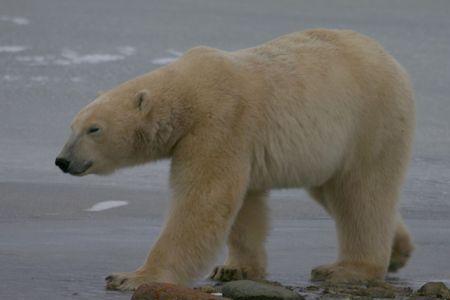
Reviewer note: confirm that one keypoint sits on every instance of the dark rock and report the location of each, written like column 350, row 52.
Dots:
column 435, row 290
column 167, row 291
column 252, row 290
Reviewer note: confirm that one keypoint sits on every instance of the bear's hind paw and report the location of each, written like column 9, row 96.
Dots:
column 346, row 273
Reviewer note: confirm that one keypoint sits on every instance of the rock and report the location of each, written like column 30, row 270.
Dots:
column 167, row 291
column 252, row 290
column 435, row 290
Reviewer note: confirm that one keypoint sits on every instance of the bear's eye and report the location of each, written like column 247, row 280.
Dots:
column 93, row 129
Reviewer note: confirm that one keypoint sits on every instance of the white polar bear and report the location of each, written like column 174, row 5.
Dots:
column 325, row 110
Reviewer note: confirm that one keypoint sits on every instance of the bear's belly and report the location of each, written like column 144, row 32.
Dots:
column 299, row 166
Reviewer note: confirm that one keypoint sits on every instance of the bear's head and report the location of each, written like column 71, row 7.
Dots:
column 126, row 126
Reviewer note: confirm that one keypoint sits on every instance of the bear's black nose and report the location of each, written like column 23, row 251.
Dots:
column 62, row 163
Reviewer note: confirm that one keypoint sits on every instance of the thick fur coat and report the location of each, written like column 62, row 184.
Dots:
column 325, row 110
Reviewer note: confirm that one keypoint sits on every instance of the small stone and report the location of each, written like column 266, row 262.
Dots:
column 335, row 297
column 379, row 292
column 167, row 291
column 207, row 289
column 312, row 288
column 252, row 290
column 434, row 289
column 369, row 290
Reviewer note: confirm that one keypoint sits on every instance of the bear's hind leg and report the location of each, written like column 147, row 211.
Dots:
column 246, row 251
column 364, row 209
column 402, row 246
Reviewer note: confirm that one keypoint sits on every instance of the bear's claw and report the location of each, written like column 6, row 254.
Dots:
column 127, row 281
column 225, row 273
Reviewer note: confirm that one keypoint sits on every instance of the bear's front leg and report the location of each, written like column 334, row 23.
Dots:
column 207, row 197
column 246, row 249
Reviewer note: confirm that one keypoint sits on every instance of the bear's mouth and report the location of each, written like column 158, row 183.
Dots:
column 81, row 171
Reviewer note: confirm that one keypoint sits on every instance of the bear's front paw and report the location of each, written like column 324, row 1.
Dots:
column 231, row 273
column 227, row 273
column 125, row 281
column 349, row 273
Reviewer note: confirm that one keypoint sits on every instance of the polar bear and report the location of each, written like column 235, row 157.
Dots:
column 325, row 110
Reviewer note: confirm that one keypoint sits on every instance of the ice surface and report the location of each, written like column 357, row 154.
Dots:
column 51, row 247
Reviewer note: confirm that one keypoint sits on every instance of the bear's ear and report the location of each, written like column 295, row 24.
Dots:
column 142, row 100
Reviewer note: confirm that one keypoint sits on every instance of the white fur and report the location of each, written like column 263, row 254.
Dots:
column 326, row 110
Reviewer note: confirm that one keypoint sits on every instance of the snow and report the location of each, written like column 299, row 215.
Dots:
column 167, row 60
column 12, row 49
column 163, row 61
column 15, row 20
column 107, row 205
column 71, row 57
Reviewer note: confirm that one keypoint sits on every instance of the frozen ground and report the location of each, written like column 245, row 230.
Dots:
column 56, row 55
